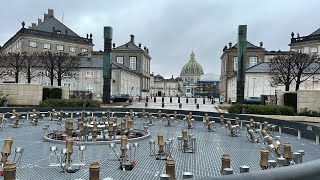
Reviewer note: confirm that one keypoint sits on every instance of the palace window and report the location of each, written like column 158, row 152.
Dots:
column 72, row 49
column 313, row 49
column 133, row 63
column 235, row 63
column 84, row 50
column 46, row 46
column 33, row 44
column 253, row 61
column 60, row 47
column 89, row 87
column 89, row 74
column 120, row 60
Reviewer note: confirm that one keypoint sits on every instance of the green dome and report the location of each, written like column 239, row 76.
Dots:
column 192, row 67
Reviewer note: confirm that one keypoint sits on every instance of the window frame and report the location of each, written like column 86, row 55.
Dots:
column 253, row 58
column 31, row 44
column 314, row 47
column 45, row 47
column 118, row 58
column 84, row 50
column 89, row 87
column 58, row 45
column 133, row 64
column 235, row 63
column 89, row 74
column 74, row 48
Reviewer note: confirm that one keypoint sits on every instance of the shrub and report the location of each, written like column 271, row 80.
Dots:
column 56, row 93
column 69, row 103
column 46, row 93
column 306, row 112
column 3, row 98
column 263, row 109
column 290, row 99
column 235, row 109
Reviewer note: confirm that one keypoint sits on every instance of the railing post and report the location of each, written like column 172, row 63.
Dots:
column 280, row 131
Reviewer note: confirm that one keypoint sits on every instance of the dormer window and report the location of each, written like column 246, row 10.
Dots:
column 58, row 32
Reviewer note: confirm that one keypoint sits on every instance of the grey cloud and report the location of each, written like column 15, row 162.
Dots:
column 172, row 29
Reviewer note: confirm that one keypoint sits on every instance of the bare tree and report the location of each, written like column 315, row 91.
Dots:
column 15, row 64
column 59, row 65
column 305, row 66
column 31, row 65
column 281, row 70
column 3, row 67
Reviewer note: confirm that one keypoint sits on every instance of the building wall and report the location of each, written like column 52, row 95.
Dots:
column 258, row 84
column 22, row 44
column 227, row 67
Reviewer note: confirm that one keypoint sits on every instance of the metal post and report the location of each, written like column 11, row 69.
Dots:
column 280, row 130
column 178, row 99
column 317, row 139
column 187, row 175
column 155, row 99
column 242, row 47
column 244, row 169
column 299, row 134
column 107, row 65
column 227, row 171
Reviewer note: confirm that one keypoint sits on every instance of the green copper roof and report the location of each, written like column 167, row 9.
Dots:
column 192, row 67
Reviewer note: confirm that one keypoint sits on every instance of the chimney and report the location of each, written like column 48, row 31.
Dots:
column 140, row 45
column 132, row 38
column 50, row 13
column 45, row 17
column 33, row 25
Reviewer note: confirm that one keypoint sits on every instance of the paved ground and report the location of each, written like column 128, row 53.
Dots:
column 205, row 162
column 191, row 105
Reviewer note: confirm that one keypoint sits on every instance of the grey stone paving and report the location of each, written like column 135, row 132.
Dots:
column 205, row 162
column 191, row 105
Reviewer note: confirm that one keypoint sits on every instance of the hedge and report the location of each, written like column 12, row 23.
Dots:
column 262, row 109
column 69, row 103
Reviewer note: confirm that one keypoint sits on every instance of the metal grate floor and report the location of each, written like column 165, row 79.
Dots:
column 205, row 162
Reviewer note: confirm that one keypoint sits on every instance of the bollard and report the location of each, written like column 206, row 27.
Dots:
column 170, row 167
column 197, row 106
column 94, row 170
column 244, row 169
column 195, row 100
column 170, row 99
column 280, row 131
column 180, row 105
column 10, row 171
column 299, row 134
column 212, row 101
column 264, row 152
column 147, row 99
column 187, row 100
column 179, row 99
column 155, row 99
column 225, row 163
column 317, row 139
column 163, row 99
column 164, row 177
column 146, row 104
column 162, row 104
column 204, row 100
column 187, row 175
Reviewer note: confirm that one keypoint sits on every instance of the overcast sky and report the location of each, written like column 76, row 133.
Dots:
column 171, row 29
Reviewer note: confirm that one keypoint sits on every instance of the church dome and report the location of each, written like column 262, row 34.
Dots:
column 192, row 67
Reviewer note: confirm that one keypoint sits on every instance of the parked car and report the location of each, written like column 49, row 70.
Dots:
column 122, row 98
column 252, row 100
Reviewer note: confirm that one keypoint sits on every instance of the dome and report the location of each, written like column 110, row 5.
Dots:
column 192, row 67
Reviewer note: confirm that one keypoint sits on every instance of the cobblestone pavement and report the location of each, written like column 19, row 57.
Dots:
column 205, row 162
column 191, row 105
